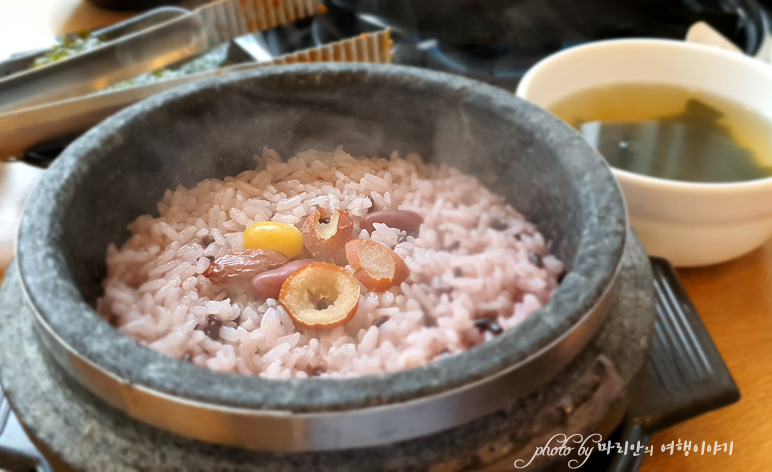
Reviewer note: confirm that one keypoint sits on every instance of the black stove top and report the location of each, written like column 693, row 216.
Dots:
column 497, row 41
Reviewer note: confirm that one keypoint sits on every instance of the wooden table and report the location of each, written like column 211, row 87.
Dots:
column 734, row 299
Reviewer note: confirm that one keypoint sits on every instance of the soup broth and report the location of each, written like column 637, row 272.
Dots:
column 671, row 132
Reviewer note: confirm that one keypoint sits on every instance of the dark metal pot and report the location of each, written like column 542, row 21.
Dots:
column 120, row 169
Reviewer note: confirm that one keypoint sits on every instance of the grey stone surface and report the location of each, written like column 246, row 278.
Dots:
column 79, row 431
column 119, row 169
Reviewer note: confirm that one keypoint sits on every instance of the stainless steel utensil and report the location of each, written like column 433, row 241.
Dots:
column 24, row 61
column 23, row 129
column 149, row 49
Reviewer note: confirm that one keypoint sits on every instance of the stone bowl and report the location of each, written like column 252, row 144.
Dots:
column 120, row 169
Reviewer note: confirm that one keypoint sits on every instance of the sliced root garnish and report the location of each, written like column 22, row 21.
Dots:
column 242, row 266
column 377, row 267
column 325, row 234
column 320, row 296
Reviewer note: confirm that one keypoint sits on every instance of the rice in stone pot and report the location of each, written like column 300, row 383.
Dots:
column 476, row 268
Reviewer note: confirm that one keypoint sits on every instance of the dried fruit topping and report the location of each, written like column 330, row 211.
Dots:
column 405, row 220
column 320, row 296
column 429, row 320
column 326, row 233
column 214, row 323
column 274, row 236
column 268, row 284
column 242, row 266
column 536, row 260
column 499, row 225
column 487, row 323
column 377, row 267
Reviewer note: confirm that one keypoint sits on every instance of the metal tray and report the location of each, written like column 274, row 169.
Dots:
column 24, row 61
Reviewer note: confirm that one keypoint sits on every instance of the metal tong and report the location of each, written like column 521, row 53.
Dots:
column 147, row 50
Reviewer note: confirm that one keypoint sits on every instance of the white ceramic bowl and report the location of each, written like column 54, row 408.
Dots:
column 691, row 224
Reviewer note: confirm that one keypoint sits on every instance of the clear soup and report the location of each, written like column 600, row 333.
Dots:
column 671, row 132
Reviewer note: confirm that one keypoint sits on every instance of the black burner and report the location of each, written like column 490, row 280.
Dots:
column 499, row 40
column 494, row 64
column 285, row 39
column 339, row 24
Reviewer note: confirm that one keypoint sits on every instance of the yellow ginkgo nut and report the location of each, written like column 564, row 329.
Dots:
column 275, row 236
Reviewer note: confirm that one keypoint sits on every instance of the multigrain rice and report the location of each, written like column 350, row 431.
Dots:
column 474, row 257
